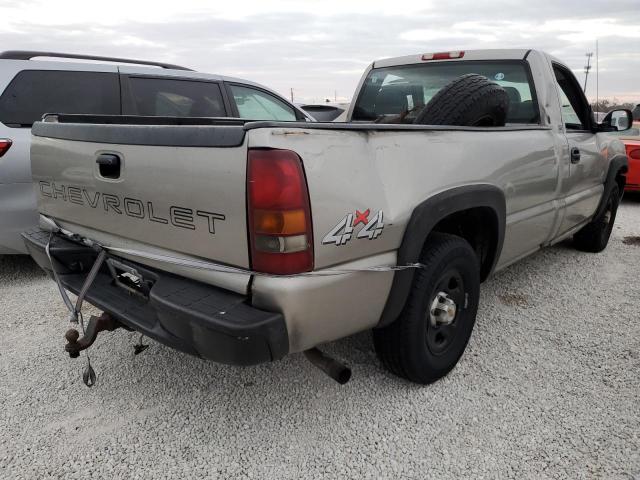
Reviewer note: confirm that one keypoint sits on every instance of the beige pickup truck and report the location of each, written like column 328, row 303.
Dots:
column 242, row 241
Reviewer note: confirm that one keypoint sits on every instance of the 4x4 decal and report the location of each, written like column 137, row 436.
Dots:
column 343, row 231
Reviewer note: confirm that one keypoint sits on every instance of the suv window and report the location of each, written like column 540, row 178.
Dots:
column 32, row 93
column 397, row 94
column 176, row 98
column 255, row 104
column 575, row 109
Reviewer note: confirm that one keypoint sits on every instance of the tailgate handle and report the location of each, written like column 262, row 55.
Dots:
column 109, row 165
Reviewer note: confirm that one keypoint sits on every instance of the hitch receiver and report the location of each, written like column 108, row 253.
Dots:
column 96, row 325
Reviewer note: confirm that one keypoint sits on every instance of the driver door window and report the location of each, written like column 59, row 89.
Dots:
column 575, row 111
column 569, row 115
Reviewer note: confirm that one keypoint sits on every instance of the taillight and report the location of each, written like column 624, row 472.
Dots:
column 443, row 55
column 635, row 154
column 279, row 214
column 5, row 145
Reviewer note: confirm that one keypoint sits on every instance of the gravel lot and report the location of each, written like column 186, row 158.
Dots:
column 548, row 388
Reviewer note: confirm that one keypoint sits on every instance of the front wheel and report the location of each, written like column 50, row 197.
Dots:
column 594, row 236
column 432, row 332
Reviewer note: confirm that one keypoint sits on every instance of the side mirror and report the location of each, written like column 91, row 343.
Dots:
column 617, row 121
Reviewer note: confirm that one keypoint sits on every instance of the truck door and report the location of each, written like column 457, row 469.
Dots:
column 582, row 183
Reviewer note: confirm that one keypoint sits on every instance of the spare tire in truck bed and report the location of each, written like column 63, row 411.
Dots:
column 470, row 100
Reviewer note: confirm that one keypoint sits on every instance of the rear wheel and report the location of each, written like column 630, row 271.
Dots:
column 594, row 236
column 433, row 330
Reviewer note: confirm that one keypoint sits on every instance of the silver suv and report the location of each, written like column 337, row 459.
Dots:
column 31, row 88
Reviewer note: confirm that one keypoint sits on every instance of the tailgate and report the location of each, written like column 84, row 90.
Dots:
column 173, row 189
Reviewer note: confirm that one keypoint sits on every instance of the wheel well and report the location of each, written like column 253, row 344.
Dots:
column 474, row 212
column 479, row 227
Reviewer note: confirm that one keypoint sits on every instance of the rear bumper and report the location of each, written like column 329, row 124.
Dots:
column 189, row 316
column 17, row 214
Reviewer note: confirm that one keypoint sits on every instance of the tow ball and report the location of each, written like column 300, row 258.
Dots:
column 75, row 344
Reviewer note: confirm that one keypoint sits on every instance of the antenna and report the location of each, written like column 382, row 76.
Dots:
column 587, row 67
column 597, row 75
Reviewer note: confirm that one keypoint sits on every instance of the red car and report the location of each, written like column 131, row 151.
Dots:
column 633, row 176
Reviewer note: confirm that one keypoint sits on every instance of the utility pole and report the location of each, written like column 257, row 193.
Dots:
column 291, row 94
column 587, row 67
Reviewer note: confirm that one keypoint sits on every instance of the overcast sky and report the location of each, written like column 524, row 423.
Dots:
column 320, row 47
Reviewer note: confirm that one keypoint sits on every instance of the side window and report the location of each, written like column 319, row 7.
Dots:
column 569, row 115
column 258, row 105
column 32, row 93
column 176, row 98
column 575, row 110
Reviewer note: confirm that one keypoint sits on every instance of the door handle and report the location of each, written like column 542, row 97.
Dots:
column 575, row 155
column 109, row 165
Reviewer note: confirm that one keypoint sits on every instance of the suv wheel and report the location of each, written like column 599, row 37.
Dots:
column 433, row 330
column 594, row 236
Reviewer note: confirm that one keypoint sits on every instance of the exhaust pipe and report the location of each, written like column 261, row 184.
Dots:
column 332, row 367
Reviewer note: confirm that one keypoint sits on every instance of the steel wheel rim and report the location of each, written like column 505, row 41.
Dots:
column 441, row 336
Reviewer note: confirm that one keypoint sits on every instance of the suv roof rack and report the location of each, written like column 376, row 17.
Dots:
column 29, row 54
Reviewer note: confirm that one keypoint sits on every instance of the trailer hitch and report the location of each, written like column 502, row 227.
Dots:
column 75, row 345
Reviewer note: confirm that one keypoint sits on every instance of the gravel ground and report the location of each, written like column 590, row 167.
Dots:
column 548, row 388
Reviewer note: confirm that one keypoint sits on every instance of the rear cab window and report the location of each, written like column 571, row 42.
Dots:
column 152, row 96
column 254, row 104
column 397, row 94
column 32, row 93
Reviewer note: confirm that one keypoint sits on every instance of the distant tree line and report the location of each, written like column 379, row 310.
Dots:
column 606, row 105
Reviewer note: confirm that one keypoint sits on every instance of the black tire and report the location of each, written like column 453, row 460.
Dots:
column 470, row 100
column 594, row 236
column 412, row 347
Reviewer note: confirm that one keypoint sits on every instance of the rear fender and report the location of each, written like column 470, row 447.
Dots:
column 424, row 218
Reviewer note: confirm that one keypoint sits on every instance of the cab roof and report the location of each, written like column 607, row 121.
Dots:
column 488, row 54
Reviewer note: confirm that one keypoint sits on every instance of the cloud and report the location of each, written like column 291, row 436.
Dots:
column 318, row 47
column 430, row 35
column 310, row 37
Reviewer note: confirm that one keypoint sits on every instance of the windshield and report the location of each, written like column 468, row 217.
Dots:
column 397, row 94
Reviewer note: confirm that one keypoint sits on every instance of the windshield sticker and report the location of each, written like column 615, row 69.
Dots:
column 499, row 76
column 342, row 232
